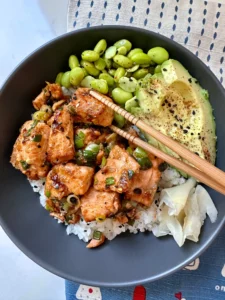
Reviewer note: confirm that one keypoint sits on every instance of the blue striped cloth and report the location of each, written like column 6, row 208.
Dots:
column 206, row 281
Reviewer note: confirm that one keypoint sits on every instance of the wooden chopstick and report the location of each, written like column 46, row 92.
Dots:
column 171, row 160
column 201, row 164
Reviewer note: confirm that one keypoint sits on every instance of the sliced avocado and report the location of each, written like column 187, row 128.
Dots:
column 179, row 109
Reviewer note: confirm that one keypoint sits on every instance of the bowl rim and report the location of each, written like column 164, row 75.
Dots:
column 46, row 265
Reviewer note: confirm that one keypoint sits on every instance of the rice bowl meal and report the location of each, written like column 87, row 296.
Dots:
column 99, row 184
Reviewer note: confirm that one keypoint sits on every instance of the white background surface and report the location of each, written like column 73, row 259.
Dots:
column 24, row 26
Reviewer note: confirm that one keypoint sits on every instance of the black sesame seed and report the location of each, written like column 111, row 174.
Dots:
column 199, row 133
column 192, row 133
column 193, row 113
column 35, row 186
column 185, row 131
column 155, row 91
column 196, row 153
column 85, row 230
column 181, row 127
column 190, row 80
column 164, row 69
column 166, row 101
column 175, row 124
column 39, row 146
column 203, row 138
column 169, row 105
column 188, row 127
column 171, row 111
column 163, row 104
column 68, row 137
column 196, row 81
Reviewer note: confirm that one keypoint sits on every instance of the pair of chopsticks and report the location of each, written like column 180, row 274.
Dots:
column 201, row 170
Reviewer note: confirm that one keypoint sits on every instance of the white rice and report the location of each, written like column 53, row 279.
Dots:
column 110, row 227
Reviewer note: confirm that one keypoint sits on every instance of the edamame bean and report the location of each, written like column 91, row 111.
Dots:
column 112, row 72
column 85, row 72
column 120, row 96
column 115, row 65
column 90, row 68
column 123, row 61
column 76, row 75
column 134, row 51
column 65, row 80
column 109, row 79
column 141, row 73
column 100, row 64
column 133, row 69
column 73, row 62
column 59, row 78
column 100, row 47
column 124, row 43
column 157, row 69
column 158, row 55
column 120, row 120
column 128, row 84
column 108, row 62
column 120, row 72
column 86, row 82
column 90, row 55
column 100, row 85
column 110, row 52
column 131, row 103
column 122, row 50
column 141, row 58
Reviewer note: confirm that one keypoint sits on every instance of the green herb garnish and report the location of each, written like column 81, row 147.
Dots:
column 110, row 181
column 24, row 164
column 97, row 235
column 37, row 138
column 47, row 194
column 79, row 140
column 31, row 128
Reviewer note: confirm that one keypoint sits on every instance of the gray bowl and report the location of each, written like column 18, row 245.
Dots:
column 129, row 259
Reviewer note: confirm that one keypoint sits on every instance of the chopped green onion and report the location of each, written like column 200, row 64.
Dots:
column 97, row 235
column 95, row 181
column 110, row 181
column 131, row 222
column 31, row 127
column 47, row 194
column 79, row 140
column 139, row 153
column 24, row 164
column 71, row 110
column 91, row 151
column 129, row 150
column 103, row 162
column 47, row 207
column 37, row 138
column 130, row 173
column 144, row 162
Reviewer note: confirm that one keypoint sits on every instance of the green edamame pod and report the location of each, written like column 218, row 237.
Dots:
column 86, row 82
column 123, row 61
column 65, row 80
column 122, row 50
column 120, row 120
column 158, row 55
column 59, row 78
column 141, row 73
column 90, row 55
column 141, row 58
column 110, row 52
column 76, row 75
column 128, row 84
column 90, row 68
column 131, row 103
column 120, row 72
column 112, row 72
column 73, row 62
column 124, row 43
column 157, row 69
column 109, row 79
column 100, row 85
column 134, row 51
column 100, row 47
column 120, row 96
column 100, row 64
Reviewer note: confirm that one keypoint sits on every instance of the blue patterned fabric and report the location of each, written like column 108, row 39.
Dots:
column 207, row 282
column 199, row 26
